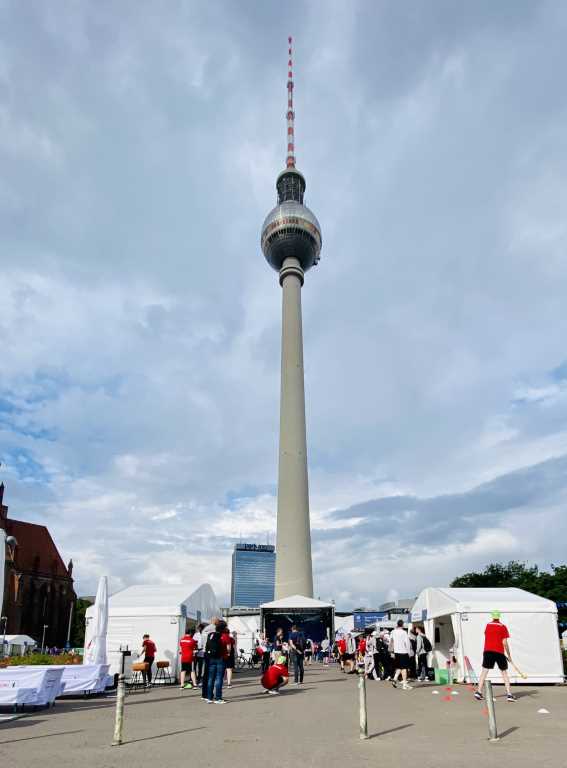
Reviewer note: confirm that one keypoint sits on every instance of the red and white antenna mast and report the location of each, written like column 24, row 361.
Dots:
column 290, row 162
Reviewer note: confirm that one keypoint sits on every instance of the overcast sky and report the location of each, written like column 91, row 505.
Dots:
column 140, row 324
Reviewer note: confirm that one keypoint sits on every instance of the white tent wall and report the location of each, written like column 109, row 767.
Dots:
column 459, row 617
column 534, row 645
column 247, row 629
column 160, row 611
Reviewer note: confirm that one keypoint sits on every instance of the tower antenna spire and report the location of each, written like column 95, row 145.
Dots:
column 290, row 162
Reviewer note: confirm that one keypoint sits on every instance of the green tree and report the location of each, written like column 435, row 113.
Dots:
column 552, row 585
column 78, row 625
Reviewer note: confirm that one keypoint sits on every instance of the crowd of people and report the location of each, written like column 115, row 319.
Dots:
column 396, row 656
column 208, row 659
column 208, row 656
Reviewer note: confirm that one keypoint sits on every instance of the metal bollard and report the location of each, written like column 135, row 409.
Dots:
column 119, row 720
column 362, row 704
column 492, row 730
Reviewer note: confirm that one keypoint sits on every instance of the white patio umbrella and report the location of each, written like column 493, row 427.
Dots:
column 95, row 653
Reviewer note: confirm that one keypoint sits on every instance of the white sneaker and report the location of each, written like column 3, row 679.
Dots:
column 407, row 687
column 219, row 701
column 274, row 693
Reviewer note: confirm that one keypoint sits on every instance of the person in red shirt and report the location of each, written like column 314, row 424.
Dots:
column 148, row 651
column 341, row 647
column 496, row 651
column 275, row 677
column 230, row 641
column 187, row 650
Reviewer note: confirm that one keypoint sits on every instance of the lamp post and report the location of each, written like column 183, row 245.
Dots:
column 45, row 626
column 4, row 621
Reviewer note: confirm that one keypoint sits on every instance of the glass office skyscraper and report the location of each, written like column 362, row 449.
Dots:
column 253, row 575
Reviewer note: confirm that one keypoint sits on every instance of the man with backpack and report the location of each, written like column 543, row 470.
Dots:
column 297, row 653
column 423, row 648
column 205, row 632
column 217, row 651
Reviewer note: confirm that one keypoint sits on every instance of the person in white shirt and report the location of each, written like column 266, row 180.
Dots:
column 400, row 649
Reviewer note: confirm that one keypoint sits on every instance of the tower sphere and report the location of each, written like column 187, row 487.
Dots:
column 291, row 229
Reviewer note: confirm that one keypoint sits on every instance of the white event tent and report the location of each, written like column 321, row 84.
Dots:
column 161, row 611
column 454, row 620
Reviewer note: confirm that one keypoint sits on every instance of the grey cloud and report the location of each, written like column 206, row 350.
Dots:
column 140, row 325
column 457, row 516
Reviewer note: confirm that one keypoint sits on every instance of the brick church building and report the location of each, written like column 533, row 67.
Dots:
column 38, row 586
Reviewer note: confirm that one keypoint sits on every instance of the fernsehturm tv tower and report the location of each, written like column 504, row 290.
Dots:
column 291, row 242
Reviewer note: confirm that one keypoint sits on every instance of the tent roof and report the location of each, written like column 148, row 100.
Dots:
column 19, row 640
column 297, row 601
column 161, row 600
column 442, row 601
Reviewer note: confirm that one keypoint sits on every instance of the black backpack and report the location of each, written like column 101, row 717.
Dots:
column 214, row 648
column 426, row 644
column 300, row 642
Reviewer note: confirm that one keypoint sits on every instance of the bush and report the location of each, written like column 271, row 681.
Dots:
column 43, row 658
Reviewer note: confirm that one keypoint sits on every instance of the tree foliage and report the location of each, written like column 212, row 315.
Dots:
column 78, row 625
column 552, row 585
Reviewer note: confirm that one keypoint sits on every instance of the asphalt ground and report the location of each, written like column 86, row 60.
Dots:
column 316, row 724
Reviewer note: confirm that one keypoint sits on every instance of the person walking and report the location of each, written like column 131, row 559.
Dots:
column 423, row 648
column 187, row 649
column 149, row 650
column 200, row 653
column 308, row 650
column 205, row 632
column 496, row 651
column 384, row 655
column 216, row 654
column 400, row 648
column 350, row 655
column 325, row 650
column 230, row 641
column 341, row 650
column 297, row 653
column 370, row 657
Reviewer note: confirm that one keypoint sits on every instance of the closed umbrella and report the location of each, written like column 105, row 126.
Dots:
column 95, row 653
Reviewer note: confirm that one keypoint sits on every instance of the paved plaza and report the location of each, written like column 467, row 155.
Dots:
column 312, row 725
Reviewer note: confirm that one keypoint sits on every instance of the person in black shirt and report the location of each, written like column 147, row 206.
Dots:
column 297, row 653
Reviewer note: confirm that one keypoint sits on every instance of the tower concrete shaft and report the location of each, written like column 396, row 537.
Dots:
column 294, row 571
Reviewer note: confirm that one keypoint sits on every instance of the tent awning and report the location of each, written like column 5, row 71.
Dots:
column 297, row 601
column 19, row 640
column 444, row 601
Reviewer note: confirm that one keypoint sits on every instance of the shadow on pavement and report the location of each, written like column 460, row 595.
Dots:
column 518, row 694
column 508, row 731
column 391, row 730
column 45, row 736
column 162, row 735
column 253, row 697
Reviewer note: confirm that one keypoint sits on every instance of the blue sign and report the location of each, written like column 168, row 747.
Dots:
column 363, row 619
